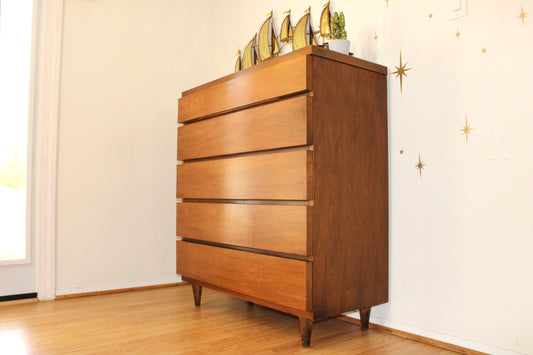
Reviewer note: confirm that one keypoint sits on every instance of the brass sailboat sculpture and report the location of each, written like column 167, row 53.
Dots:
column 238, row 62
column 285, row 35
column 249, row 58
column 325, row 19
column 311, row 33
column 267, row 43
column 303, row 33
column 275, row 44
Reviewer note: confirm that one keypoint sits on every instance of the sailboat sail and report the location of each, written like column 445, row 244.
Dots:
column 248, row 56
column 238, row 62
column 275, row 44
column 299, row 38
column 285, row 34
column 255, row 55
column 262, row 40
column 312, row 39
column 325, row 19
column 303, row 32
column 265, row 44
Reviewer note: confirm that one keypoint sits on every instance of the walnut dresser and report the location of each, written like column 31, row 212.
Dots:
column 283, row 186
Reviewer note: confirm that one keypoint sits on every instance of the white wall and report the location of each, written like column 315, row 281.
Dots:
column 124, row 65
column 461, row 236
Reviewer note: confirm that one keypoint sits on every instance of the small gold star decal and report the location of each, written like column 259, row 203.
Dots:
column 376, row 36
column 430, row 15
column 400, row 71
column 401, row 151
column 457, row 34
column 483, row 50
column 420, row 165
column 467, row 129
column 523, row 14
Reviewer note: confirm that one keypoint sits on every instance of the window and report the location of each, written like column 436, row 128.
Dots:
column 15, row 116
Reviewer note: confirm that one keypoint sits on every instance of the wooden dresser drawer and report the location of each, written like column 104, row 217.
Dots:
column 274, row 176
column 270, row 227
column 250, row 86
column 278, row 280
column 279, row 124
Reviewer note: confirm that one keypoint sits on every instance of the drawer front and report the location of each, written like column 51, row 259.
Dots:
column 279, row 280
column 276, row 125
column 261, row 83
column 269, row 227
column 275, row 176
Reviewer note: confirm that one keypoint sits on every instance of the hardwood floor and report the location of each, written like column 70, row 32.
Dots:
column 165, row 321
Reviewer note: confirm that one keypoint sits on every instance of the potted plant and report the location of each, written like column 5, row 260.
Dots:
column 338, row 41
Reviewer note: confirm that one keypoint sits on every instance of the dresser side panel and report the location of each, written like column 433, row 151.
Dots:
column 350, row 219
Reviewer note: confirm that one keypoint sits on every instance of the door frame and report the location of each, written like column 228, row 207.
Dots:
column 46, row 117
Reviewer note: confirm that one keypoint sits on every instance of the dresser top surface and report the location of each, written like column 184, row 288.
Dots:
column 309, row 50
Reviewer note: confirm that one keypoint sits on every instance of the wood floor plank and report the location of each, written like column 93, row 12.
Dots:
column 163, row 321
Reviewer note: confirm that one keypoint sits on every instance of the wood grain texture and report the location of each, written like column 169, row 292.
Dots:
column 306, row 328
column 349, row 60
column 120, row 290
column 263, row 83
column 269, row 227
column 307, row 51
column 278, row 280
column 278, row 124
column 274, row 176
column 14, row 302
column 254, row 300
column 414, row 337
column 350, row 229
column 197, row 294
column 164, row 321
column 343, row 176
column 364, row 314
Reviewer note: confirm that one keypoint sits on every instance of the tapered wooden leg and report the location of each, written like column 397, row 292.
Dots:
column 364, row 313
column 197, row 292
column 306, row 327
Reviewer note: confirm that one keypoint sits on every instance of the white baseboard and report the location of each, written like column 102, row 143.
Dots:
column 465, row 343
column 116, row 286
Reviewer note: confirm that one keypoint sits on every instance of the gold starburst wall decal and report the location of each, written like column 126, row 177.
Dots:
column 457, row 34
column 376, row 36
column 420, row 165
column 483, row 50
column 430, row 16
column 401, row 71
column 401, row 151
column 523, row 14
column 467, row 129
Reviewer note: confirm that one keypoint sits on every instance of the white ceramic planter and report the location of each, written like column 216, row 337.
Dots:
column 339, row 45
